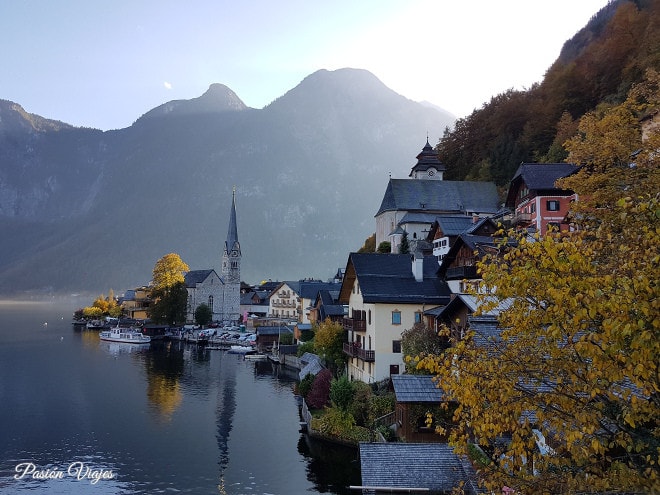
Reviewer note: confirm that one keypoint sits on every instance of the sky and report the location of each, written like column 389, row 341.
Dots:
column 104, row 63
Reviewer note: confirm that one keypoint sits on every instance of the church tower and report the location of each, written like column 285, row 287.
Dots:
column 231, row 268
column 428, row 165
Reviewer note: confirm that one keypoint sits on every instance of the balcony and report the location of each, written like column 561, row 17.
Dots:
column 521, row 218
column 354, row 325
column 461, row 272
column 354, row 350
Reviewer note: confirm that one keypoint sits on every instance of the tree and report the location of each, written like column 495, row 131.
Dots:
column 384, row 247
column 404, row 247
column 168, row 270
column 420, row 341
column 169, row 290
column 329, row 344
column 170, row 304
column 203, row 315
column 369, row 245
column 576, row 362
column 342, row 392
column 319, row 394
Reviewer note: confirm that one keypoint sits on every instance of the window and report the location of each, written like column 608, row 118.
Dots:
column 369, row 319
column 418, row 317
column 396, row 346
column 553, row 226
column 211, row 303
column 552, row 205
column 394, row 369
column 396, row 317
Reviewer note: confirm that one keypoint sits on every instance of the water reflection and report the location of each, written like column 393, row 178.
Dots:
column 164, row 418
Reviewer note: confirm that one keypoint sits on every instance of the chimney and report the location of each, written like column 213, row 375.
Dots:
column 418, row 266
column 475, row 217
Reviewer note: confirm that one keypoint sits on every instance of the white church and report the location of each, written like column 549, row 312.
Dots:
column 220, row 293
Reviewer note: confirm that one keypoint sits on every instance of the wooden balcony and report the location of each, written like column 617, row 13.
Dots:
column 460, row 272
column 355, row 351
column 521, row 218
column 354, row 325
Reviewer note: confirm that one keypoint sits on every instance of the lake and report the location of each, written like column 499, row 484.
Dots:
column 81, row 416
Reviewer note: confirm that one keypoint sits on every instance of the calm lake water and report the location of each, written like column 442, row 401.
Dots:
column 100, row 418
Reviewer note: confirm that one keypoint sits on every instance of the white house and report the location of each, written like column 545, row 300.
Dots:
column 386, row 294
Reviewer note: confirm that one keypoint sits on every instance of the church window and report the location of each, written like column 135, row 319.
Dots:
column 211, row 303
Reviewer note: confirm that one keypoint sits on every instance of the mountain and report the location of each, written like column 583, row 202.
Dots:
column 597, row 66
column 86, row 210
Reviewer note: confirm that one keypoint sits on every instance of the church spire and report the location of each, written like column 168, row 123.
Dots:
column 232, row 244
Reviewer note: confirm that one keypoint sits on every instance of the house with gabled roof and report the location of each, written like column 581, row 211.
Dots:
column 327, row 306
column 411, row 205
column 459, row 265
column 385, row 294
column 536, row 201
column 445, row 230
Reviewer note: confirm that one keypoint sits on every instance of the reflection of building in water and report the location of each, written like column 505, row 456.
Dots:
column 225, row 414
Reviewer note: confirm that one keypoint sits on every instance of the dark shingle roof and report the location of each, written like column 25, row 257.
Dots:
column 439, row 196
column 416, row 388
column 310, row 289
column 388, row 278
column 433, row 466
column 543, row 175
column 454, row 225
column 195, row 277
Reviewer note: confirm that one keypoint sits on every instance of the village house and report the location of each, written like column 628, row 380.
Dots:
column 385, row 294
column 135, row 303
column 537, row 203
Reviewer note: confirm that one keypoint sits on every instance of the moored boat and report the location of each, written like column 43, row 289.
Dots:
column 126, row 335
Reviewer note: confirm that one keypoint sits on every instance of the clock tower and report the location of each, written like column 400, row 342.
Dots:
column 231, row 269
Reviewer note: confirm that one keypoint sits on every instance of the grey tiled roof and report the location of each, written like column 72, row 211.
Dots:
column 439, row 196
column 388, row 278
column 273, row 330
column 416, row 388
column 195, row 277
column 454, row 225
column 433, row 466
column 310, row 289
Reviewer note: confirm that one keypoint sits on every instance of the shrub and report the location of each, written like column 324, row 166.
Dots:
column 319, row 395
column 342, row 392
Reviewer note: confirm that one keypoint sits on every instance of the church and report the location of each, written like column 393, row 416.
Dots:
column 221, row 293
column 412, row 205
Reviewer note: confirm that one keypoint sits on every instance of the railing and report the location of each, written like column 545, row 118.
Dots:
column 354, row 351
column 354, row 325
column 385, row 420
column 520, row 218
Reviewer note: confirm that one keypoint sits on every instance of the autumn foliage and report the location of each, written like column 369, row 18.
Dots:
column 566, row 398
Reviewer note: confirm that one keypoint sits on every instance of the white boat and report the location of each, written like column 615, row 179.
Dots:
column 241, row 349
column 125, row 335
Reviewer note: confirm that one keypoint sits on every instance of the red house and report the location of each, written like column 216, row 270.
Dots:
column 534, row 198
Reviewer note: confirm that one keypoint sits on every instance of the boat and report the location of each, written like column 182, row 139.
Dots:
column 241, row 349
column 126, row 335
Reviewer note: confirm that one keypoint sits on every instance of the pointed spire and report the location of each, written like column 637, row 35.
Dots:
column 232, row 231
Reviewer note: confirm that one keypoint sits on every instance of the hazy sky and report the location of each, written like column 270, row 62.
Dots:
column 104, row 63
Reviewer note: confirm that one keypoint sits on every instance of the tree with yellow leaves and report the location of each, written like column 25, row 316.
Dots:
column 169, row 290
column 566, row 398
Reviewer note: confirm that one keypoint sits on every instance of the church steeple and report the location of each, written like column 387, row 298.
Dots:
column 232, row 244
column 428, row 164
column 231, row 268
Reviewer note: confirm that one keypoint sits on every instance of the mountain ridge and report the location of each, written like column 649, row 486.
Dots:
column 90, row 210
